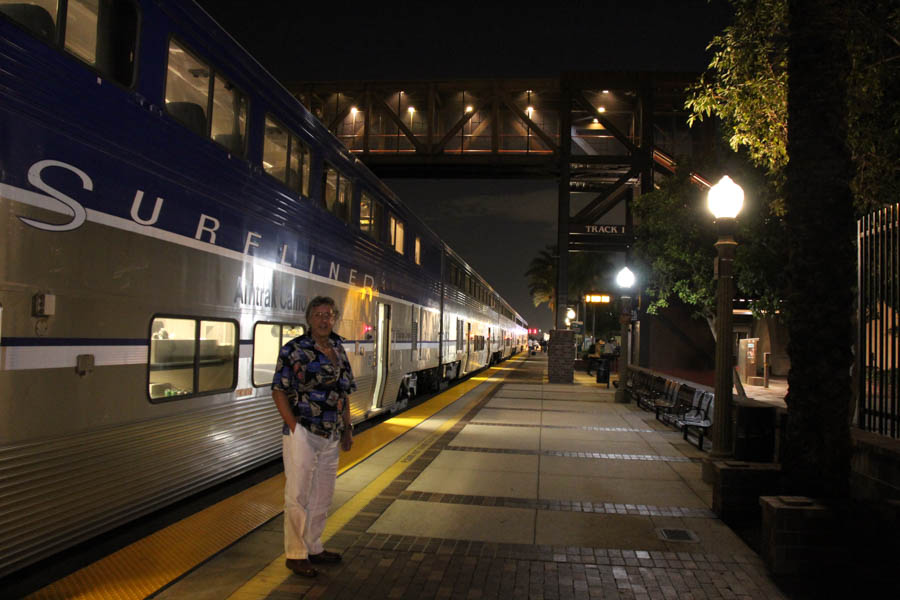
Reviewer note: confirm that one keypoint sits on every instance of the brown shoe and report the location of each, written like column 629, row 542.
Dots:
column 301, row 566
column 325, row 557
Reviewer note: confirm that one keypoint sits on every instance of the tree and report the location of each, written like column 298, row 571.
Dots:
column 822, row 264
column 680, row 259
column 746, row 84
column 746, row 87
column 541, row 276
column 587, row 272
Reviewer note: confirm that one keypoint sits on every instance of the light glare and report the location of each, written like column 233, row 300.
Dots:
column 625, row 278
column 725, row 199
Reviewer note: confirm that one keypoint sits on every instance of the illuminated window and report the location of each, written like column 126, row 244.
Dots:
column 337, row 192
column 189, row 357
column 298, row 174
column 275, row 147
column 369, row 215
column 418, row 251
column 229, row 116
column 396, row 229
column 187, row 89
column 268, row 339
column 101, row 33
column 189, row 85
column 286, row 157
column 39, row 17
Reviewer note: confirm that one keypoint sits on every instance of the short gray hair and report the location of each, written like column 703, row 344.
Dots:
column 321, row 301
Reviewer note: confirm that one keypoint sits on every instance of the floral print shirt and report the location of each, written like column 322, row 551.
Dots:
column 316, row 389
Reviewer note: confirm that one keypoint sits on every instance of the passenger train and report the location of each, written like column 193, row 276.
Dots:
column 168, row 209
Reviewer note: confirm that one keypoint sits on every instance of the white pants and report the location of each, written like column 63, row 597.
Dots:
column 310, row 469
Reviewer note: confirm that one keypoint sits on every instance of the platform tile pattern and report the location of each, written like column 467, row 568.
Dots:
column 540, row 491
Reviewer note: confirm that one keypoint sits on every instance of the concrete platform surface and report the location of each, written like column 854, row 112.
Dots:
column 520, row 489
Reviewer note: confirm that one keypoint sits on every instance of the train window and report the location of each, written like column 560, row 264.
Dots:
column 369, row 215
column 37, row 16
column 217, row 357
column 81, row 29
column 329, row 188
column 229, row 116
column 418, row 251
column 268, row 339
column 187, row 89
column 396, row 229
column 285, row 157
column 337, row 193
column 275, row 147
column 299, row 171
column 103, row 33
column 191, row 356
column 345, row 197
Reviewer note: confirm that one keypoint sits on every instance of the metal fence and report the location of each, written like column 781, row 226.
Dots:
column 878, row 237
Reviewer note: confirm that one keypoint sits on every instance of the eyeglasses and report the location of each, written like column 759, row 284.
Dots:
column 323, row 316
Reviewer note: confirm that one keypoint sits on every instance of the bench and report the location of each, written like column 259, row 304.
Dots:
column 697, row 418
column 647, row 389
column 668, row 410
column 668, row 398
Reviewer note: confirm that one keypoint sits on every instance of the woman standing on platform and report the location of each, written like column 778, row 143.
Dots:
column 311, row 389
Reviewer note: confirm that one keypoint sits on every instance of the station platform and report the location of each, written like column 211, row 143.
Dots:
column 503, row 487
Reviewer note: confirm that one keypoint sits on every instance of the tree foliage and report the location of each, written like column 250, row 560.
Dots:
column 746, row 83
column 586, row 272
column 679, row 258
column 745, row 88
column 541, row 275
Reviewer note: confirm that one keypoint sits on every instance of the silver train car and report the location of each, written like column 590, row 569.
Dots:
column 167, row 210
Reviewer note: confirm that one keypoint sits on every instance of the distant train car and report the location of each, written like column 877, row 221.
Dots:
column 168, row 210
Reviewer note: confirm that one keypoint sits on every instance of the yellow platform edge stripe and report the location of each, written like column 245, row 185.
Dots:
column 144, row 567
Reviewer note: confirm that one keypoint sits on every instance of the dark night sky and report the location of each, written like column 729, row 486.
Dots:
column 497, row 226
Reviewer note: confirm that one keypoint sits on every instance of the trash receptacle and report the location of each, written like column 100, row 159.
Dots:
column 603, row 371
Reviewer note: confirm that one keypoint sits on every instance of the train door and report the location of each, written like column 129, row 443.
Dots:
column 468, row 345
column 382, row 352
column 489, row 340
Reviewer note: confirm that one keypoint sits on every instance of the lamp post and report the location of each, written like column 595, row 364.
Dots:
column 725, row 200
column 625, row 280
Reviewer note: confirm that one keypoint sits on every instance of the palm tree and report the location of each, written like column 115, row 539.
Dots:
column 587, row 272
column 541, row 276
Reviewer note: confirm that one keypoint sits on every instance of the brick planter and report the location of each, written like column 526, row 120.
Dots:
column 737, row 487
column 799, row 536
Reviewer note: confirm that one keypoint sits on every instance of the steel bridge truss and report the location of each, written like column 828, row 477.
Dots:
column 603, row 136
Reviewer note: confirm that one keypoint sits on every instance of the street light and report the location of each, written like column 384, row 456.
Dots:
column 570, row 316
column 725, row 200
column 625, row 280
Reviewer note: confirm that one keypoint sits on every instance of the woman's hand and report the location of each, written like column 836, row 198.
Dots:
column 346, row 438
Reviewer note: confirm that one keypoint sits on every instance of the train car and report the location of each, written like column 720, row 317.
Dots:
column 168, row 209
